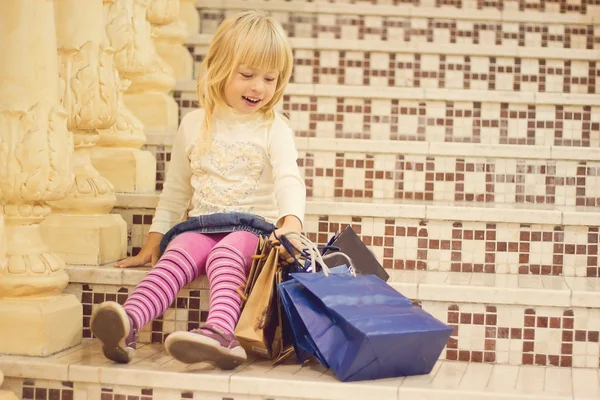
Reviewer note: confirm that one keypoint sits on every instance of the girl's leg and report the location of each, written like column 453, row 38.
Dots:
column 227, row 269
column 183, row 261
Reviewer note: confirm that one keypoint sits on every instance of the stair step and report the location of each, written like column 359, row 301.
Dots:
column 435, row 115
column 459, row 237
column 83, row 373
column 367, row 64
column 437, row 286
column 511, row 10
column 327, row 45
column 438, row 171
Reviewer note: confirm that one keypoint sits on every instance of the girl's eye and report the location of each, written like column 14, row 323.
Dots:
column 270, row 79
column 247, row 75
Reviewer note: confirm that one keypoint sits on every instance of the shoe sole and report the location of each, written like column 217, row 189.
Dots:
column 192, row 348
column 110, row 324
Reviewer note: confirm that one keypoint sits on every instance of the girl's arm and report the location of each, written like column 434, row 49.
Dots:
column 290, row 189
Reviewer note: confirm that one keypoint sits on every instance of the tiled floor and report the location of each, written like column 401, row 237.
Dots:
column 153, row 368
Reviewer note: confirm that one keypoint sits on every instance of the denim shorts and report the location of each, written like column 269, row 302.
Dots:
column 219, row 223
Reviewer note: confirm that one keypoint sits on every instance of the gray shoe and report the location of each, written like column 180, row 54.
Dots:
column 113, row 327
column 207, row 344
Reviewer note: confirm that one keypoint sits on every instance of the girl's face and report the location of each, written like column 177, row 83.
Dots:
column 250, row 89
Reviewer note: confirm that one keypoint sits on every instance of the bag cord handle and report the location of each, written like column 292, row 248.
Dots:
column 311, row 252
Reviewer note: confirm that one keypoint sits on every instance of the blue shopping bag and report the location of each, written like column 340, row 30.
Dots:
column 362, row 327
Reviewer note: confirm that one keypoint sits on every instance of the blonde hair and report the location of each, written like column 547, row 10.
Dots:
column 252, row 38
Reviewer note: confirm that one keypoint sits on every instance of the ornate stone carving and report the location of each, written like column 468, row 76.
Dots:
column 188, row 14
column 136, row 59
column 89, row 92
column 117, row 154
column 169, row 38
column 36, row 153
column 3, row 260
column 36, row 166
column 162, row 12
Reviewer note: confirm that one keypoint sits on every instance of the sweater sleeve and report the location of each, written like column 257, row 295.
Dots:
column 290, row 189
column 177, row 189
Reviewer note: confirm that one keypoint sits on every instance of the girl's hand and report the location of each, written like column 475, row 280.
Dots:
column 148, row 254
column 290, row 224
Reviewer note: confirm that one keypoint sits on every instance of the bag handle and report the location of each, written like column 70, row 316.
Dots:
column 311, row 251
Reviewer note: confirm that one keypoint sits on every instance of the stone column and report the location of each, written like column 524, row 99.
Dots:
column 188, row 14
column 169, row 39
column 117, row 155
column 151, row 78
column 81, row 230
column 36, row 157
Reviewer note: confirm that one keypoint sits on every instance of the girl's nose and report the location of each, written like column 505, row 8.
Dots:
column 258, row 85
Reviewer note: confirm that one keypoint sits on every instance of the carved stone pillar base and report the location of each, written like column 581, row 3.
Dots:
column 129, row 170
column 86, row 239
column 157, row 111
column 40, row 326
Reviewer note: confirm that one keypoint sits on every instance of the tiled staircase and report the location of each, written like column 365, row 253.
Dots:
column 461, row 139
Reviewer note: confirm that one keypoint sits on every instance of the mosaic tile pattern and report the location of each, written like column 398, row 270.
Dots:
column 502, row 334
column 51, row 391
column 384, row 69
column 457, row 246
column 418, row 29
column 90, row 391
column 162, row 155
column 436, row 121
column 440, row 178
column 471, row 246
column 112, row 394
column 521, row 335
column 550, row 6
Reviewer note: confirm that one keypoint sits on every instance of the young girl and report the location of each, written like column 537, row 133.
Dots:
column 235, row 160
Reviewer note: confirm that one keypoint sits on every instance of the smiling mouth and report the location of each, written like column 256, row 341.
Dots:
column 252, row 100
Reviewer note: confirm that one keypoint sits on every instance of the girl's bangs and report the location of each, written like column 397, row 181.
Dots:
column 267, row 52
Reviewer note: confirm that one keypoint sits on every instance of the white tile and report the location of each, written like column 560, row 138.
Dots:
column 558, row 382
column 503, row 378
column 531, row 380
column 421, row 381
column 586, row 384
column 449, row 375
column 251, row 381
column 476, row 377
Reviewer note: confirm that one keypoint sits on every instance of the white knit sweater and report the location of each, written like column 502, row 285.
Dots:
column 250, row 168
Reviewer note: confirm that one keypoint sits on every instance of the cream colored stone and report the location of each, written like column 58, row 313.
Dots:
column 117, row 155
column 138, row 62
column 45, row 325
column 188, row 14
column 89, row 86
column 169, row 32
column 3, row 260
column 169, row 42
column 129, row 170
column 157, row 110
column 36, row 149
column 87, row 239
